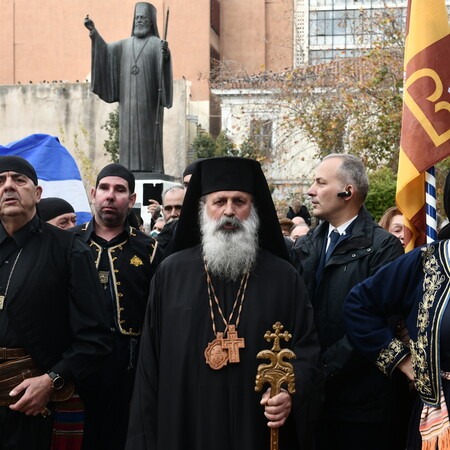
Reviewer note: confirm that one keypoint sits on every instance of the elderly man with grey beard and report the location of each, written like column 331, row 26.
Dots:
column 229, row 279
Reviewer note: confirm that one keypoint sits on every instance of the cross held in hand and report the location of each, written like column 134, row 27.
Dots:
column 276, row 336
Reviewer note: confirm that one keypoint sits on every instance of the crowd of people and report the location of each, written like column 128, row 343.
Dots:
column 114, row 338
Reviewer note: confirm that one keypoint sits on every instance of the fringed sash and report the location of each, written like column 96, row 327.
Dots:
column 435, row 425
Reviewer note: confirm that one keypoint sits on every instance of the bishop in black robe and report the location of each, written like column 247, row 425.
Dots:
column 179, row 401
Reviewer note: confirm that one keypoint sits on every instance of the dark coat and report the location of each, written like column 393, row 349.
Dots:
column 354, row 385
column 54, row 304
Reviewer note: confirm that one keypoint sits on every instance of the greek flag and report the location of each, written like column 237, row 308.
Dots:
column 56, row 169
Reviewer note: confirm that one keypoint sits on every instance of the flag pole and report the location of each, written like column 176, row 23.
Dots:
column 430, row 200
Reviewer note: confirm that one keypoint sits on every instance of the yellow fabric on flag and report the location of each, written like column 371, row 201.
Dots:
column 412, row 182
column 424, row 137
column 428, row 23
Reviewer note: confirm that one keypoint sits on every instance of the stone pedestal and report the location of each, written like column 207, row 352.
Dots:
column 150, row 186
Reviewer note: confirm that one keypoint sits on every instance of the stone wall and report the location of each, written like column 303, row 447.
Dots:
column 75, row 115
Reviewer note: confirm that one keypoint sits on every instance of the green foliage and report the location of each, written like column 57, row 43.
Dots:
column 204, row 145
column 249, row 150
column 112, row 127
column 382, row 187
column 224, row 145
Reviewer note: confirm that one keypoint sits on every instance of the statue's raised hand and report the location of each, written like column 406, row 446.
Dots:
column 89, row 23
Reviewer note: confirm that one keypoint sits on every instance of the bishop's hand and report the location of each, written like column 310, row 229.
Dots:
column 89, row 24
column 277, row 408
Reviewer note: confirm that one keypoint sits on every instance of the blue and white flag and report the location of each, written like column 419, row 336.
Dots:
column 56, row 169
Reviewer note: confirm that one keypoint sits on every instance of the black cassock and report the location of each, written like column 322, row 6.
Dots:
column 179, row 402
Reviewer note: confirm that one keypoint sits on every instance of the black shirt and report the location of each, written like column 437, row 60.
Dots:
column 9, row 253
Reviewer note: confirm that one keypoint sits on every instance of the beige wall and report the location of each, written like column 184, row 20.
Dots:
column 242, row 33
column 279, row 32
column 75, row 115
column 257, row 34
column 46, row 40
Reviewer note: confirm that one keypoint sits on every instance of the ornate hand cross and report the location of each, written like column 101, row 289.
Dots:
column 277, row 372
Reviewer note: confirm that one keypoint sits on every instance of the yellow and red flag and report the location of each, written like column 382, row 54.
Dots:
column 425, row 136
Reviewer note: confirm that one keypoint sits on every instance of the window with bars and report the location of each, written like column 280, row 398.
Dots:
column 342, row 28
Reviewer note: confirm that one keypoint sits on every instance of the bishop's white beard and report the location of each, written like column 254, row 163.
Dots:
column 229, row 253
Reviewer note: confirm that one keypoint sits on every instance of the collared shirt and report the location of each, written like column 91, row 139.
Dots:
column 9, row 251
column 341, row 229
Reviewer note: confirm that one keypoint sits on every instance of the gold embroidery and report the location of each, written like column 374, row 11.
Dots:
column 388, row 355
column 432, row 282
column 418, row 359
column 136, row 261
column 154, row 245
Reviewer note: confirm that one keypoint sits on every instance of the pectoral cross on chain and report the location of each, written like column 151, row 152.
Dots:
column 233, row 343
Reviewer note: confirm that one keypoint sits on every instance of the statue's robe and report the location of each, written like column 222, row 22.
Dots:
column 112, row 80
column 179, row 402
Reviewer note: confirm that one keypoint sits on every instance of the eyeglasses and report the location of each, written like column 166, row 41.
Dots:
column 169, row 208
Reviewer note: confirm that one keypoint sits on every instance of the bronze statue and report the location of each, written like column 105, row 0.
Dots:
column 136, row 72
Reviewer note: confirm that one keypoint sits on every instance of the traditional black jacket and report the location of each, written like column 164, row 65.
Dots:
column 418, row 286
column 132, row 263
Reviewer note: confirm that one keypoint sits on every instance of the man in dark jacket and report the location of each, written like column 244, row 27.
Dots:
column 346, row 248
column 49, row 311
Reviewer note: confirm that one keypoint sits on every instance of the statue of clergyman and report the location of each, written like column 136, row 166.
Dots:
column 136, row 72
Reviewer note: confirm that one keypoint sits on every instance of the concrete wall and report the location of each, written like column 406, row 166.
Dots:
column 75, row 115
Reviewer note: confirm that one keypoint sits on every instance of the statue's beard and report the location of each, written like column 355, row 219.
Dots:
column 229, row 252
column 141, row 30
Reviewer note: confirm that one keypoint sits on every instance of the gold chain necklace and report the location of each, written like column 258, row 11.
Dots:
column 225, row 348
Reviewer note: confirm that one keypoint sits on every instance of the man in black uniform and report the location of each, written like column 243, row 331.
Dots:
column 126, row 260
column 49, row 309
